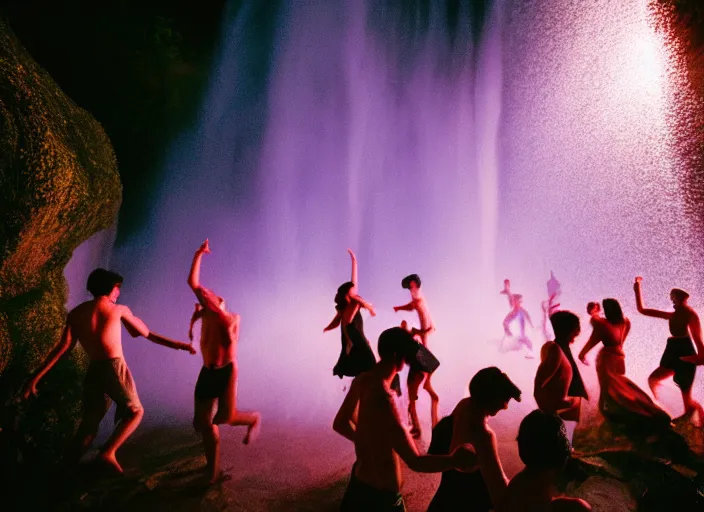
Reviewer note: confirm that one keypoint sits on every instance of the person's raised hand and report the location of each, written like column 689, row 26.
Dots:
column 354, row 258
column 204, row 247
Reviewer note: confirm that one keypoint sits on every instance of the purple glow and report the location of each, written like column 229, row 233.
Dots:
column 545, row 148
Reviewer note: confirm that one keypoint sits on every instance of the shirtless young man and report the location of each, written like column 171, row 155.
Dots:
column 217, row 381
column 95, row 324
column 544, row 449
column 680, row 360
column 558, row 387
column 481, row 490
column 415, row 378
column 368, row 417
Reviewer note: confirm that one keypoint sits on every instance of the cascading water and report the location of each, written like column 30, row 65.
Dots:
column 538, row 143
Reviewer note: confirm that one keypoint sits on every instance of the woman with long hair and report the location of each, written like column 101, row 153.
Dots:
column 356, row 355
column 621, row 400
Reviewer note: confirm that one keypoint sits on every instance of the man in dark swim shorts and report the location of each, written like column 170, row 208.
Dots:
column 680, row 358
column 217, row 382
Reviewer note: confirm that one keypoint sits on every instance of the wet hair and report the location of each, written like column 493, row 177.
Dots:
column 679, row 293
column 542, row 441
column 101, row 282
column 613, row 311
column 406, row 281
column 490, row 386
column 341, row 295
column 592, row 306
column 564, row 324
column 394, row 343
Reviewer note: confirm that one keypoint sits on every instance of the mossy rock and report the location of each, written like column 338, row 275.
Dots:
column 59, row 185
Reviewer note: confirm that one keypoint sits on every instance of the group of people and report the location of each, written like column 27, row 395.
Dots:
column 96, row 324
column 356, row 355
column 463, row 446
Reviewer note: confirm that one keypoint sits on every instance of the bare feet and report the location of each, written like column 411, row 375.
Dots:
column 253, row 430
column 109, row 462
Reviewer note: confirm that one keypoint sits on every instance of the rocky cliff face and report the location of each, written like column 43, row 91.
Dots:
column 58, row 186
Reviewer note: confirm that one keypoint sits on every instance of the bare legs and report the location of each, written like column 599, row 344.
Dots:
column 202, row 422
column 434, row 402
column 85, row 435
column 414, row 381
column 124, row 429
column 691, row 406
column 208, row 426
column 88, row 430
column 229, row 415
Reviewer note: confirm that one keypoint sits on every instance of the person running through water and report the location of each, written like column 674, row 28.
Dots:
column 96, row 325
column 519, row 313
column 680, row 359
column 215, row 396
column 419, row 304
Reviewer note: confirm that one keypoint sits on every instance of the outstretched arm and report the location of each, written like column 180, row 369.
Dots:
column 366, row 305
column 66, row 342
column 136, row 327
column 354, row 267
column 593, row 341
column 194, row 275
column 334, row 323
column 462, row 458
column 406, row 307
column 655, row 313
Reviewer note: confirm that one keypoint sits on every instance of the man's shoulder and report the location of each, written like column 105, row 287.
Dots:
column 550, row 348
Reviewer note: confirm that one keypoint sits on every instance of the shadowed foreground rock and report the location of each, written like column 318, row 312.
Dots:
column 59, row 185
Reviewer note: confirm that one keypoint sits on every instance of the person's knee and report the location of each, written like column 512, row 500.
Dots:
column 202, row 423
